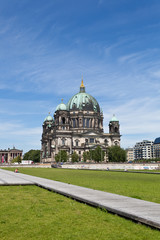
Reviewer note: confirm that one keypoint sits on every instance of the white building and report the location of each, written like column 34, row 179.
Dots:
column 143, row 150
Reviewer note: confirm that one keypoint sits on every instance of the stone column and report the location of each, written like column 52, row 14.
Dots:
column 49, row 147
column 43, row 150
column 96, row 123
column 70, row 145
column 93, row 123
column 60, row 119
column 56, row 146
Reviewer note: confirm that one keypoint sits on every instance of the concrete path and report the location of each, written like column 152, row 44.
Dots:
column 135, row 209
column 11, row 178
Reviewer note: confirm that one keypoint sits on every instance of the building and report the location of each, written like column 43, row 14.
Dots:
column 129, row 152
column 156, row 148
column 77, row 126
column 143, row 150
column 6, row 156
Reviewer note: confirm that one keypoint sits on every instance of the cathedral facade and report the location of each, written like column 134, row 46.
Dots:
column 77, row 127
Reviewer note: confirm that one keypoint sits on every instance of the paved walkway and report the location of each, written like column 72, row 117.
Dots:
column 135, row 209
column 11, row 178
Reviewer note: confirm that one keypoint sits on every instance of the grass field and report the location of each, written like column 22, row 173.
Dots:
column 29, row 212
column 141, row 186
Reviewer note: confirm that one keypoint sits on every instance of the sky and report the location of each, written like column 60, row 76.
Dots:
column 46, row 47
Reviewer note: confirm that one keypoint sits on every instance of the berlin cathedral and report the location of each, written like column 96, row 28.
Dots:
column 77, row 127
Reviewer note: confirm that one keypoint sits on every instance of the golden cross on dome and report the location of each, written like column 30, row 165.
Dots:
column 82, row 85
column 62, row 99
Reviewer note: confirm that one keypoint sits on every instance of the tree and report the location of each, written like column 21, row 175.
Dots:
column 17, row 159
column 98, row 154
column 75, row 157
column 33, row 155
column 86, row 156
column 116, row 154
column 62, row 156
column 91, row 154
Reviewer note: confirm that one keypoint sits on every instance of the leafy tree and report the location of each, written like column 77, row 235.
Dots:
column 98, row 154
column 86, row 156
column 33, row 155
column 116, row 154
column 75, row 157
column 91, row 154
column 17, row 159
column 61, row 156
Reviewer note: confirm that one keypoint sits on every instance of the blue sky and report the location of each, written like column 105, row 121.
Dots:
column 46, row 46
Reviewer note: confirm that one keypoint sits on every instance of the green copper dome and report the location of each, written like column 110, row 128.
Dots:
column 83, row 101
column 61, row 107
column 49, row 118
column 114, row 119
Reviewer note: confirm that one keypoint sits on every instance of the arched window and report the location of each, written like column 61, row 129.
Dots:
column 74, row 123
column 116, row 129
column 77, row 122
column 63, row 120
column 63, row 141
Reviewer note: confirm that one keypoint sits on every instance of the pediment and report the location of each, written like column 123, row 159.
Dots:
column 91, row 134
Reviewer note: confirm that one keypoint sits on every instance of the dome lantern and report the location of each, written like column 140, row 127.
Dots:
column 82, row 87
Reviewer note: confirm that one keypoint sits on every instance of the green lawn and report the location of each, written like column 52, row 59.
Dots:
column 141, row 186
column 30, row 212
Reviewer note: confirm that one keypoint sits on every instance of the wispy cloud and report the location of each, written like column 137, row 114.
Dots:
column 130, row 57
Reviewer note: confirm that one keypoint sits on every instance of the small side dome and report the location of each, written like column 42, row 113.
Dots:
column 49, row 118
column 61, row 107
column 114, row 119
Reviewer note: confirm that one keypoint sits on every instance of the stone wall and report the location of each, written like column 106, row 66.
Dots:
column 123, row 166
column 92, row 166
